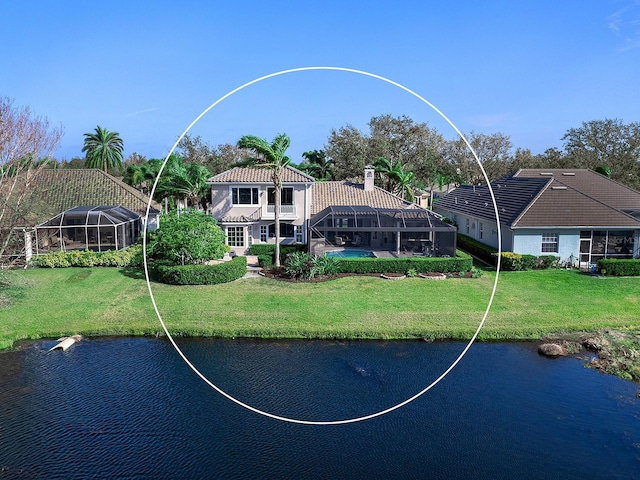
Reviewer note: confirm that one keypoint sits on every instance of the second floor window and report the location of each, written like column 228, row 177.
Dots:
column 286, row 196
column 245, row 196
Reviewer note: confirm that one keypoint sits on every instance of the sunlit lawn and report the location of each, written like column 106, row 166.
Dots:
column 45, row 303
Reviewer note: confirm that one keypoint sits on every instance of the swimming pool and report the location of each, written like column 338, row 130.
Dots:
column 346, row 253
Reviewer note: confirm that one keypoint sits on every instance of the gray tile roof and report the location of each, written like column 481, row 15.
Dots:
column 325, row 194
column 53, row 191
column 259, row 175
column 550, row 198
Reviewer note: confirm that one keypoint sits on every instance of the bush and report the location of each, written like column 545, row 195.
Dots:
column 127, row 257
column 514, row 262
column 199, row 274
column 265, row 261
column 619, row 267
column 461, row 263
column 264, row 249
column 306, row 266
column 548, row 261
column 480, row 250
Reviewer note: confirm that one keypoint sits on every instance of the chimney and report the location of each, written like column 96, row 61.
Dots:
column 369, row 173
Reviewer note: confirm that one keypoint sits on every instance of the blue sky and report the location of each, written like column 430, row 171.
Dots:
column 528, row 69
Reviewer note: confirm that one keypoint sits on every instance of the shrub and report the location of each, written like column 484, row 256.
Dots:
column 306, row 266
column 191, row 238
column 529, row 262
column 265, row 261
column 127, row 257
column 461, row 263
column 264, row 249
column 200, row 274
column 548, row 261
column 619, row 267
column 480, row 250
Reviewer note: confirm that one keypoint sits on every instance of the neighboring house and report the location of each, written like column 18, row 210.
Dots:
column 576, row 214
column 324, row 215
column 76, row 199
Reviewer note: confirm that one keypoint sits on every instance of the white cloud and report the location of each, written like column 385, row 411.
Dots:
column 625, row 23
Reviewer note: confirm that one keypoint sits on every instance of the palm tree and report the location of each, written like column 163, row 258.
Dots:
column 271, row 156
column 317, row 165
column 404, row 184
column 104, row 149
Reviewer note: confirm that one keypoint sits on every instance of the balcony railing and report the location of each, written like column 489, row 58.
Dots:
column 284, row 209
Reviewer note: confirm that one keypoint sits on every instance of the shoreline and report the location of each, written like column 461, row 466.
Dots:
column 609, row 351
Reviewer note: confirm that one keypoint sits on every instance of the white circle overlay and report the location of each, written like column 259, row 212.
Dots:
column 348, row 420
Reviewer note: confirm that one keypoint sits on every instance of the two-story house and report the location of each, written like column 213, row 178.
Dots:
column 324, row 215
column 242, row 200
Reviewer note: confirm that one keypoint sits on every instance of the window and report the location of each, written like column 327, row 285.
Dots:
column 286, row 196
column 244, row 196
column 549, row 243
column 298, row 233
column 286, row 230
column 480, row 230
column 467, row 226
column 263, row 233
column 235, row 236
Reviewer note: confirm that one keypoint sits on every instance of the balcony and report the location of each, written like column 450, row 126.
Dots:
column 287, row 212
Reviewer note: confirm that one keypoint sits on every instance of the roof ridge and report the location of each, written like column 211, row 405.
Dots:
column 533, row 200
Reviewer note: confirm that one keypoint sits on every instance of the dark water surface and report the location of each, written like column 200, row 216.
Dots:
column 131, row 408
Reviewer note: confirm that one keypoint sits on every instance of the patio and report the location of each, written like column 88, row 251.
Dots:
column 386, row 231
column 89, row 228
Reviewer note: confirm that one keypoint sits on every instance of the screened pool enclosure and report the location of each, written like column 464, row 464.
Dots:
column 89, row 228
column 412, row 231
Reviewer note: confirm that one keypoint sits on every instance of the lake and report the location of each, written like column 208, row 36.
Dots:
column 131, row 408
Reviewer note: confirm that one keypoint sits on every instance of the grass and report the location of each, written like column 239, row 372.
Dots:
column 44, row 303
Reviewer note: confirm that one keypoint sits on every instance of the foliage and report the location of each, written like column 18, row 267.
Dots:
column 184, row 181
column 270, row 156
column 127, row 257
column 477, row 249
column 27, row 144
column 317, row 165
column 619, row 267
column 200, row 274
column 265, row 261
column 191, row 238
column 513, row 262
column 306, row 266
column 607, row 143
column 399, row 181
column 461, row 263
column 103, row 149
column 215, row 159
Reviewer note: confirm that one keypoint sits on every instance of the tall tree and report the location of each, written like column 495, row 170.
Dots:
column 608, row 142
column 317, row 165
column 27, row 144
column 271, row 156
column 103, row 149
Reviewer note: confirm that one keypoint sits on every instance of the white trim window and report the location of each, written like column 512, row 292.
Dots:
column 549, row 242
column 263, row 233
column 298, row 233
column 480, row 231
column 235, row 236
column 245, row 196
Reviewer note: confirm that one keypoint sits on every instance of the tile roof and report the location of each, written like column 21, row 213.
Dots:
column 550, row 198
column 259, row 175
column 325, row 194
column 55, row 190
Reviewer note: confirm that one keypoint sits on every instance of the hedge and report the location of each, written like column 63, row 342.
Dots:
column 262, row 250
column 477, row 249
column 199, row 274
column 461, row 263
column 126, row 257
column 513, row 262
column 619, row 267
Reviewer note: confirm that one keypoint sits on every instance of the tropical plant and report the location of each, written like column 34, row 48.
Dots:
column 317, row 165
column 103, row 149
column 399, row 181
column 270, row 156
column 185, row 182
column 191, row 238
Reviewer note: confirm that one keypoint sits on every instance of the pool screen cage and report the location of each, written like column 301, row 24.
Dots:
column 94, row 228
column 413, row 231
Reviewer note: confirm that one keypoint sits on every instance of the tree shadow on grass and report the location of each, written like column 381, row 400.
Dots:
column 133, row 272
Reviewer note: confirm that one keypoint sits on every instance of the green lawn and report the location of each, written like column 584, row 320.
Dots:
column 46, row 303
